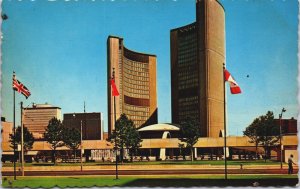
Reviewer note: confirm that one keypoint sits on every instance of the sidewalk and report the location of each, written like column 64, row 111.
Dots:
column 142, row 167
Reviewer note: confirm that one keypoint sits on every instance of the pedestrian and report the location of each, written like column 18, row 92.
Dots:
column 290, row 163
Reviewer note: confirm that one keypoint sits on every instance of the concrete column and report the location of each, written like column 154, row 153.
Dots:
column 227, row 151
column 162, row 154
column 195, row 153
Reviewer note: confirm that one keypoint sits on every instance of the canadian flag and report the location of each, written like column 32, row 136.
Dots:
column 115, row 91
column 234, row 87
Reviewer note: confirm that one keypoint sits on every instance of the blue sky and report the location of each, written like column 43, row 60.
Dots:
column 58, row 50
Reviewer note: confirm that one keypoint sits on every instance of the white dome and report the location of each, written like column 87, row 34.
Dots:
column 160, row 127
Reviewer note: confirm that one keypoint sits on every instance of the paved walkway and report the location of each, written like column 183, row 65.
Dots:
column 142, row 167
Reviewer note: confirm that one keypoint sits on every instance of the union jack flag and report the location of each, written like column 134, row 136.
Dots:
column 19, row 87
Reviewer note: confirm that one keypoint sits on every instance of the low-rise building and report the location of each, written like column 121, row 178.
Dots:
column 92, row 124
column 37, row 117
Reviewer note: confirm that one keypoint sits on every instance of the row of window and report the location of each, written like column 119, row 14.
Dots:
column 136, row 73
column 183, row 117
column 186, row 39
column 141, row 77
column 137, row 113
column 187, row 108
column 138, row 123
column 183, row 49
column 131, row 88
column 137, row 118
column 187, row 74
column 132, row 63
column 136, row 82
column 187, row 57
column 136, row 66
column 135, row 94
column 192, row 85
column 137, row 108
column 182, row 64
column 188, row 99
column 188, row 105
column 185, row 80
column 191, row 113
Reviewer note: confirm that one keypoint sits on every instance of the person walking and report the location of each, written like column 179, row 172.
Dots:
column 290, row 163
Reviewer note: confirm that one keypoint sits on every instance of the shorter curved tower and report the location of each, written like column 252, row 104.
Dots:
column 135, row 78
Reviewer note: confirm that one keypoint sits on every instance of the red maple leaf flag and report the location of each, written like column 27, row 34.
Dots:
column 234, row 87
column 19, row 87
column 115, row 91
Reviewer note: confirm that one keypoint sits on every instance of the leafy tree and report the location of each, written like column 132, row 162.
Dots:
column 72, row 139
column 252, row 132
column 54, row 136
column 189, row 133
column 264, row 131
column 125, row 135
column 133, row 140
column 28, row 138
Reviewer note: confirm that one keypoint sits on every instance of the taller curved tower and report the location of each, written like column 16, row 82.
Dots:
column 197, row 58
column 135, row 78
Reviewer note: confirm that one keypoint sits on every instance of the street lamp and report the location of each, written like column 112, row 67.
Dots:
column 80, row 142
column 280, row 135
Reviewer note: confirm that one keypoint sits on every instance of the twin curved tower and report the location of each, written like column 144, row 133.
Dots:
column 197, row 59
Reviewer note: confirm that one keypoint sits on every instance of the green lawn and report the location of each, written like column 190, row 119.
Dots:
column 152, row 181
column 198, row 162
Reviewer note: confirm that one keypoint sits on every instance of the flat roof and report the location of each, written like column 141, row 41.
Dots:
column 160, row 127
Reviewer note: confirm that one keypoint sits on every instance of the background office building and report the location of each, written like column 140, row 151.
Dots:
column 6, row 129
column 37, row 117
column 197, row 57
column 135, row 78
column 92, row 124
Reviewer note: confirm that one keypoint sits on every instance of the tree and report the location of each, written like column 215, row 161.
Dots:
column 28, row 138
column 252, row 132
column 125, row 135
column 264, row 131
column 189, row 133
column 54, row 136
column 133, row 140
column 72, row 139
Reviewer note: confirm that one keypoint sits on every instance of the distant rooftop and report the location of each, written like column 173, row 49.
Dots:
column 42, row 106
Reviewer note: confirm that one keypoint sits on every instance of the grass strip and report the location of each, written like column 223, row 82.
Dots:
column 149, row 181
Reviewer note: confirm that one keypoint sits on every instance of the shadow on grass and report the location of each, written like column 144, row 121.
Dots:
column 43, row 164
column 211, row 182
column 108, row 164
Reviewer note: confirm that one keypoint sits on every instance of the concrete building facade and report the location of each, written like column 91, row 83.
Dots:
column 197, row 58
column 135, row 78
column 92, row 124
column 37, row 117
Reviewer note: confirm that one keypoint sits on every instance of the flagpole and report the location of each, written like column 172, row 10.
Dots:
column 115, row 118
column 22, row 140
column 14, row 141
column 225, row 133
